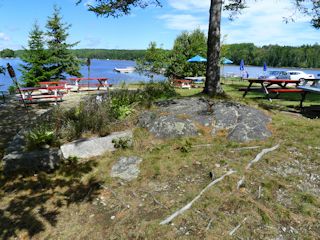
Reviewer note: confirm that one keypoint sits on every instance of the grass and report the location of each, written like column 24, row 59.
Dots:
column 71, row 204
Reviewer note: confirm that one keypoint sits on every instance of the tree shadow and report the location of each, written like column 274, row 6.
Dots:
column 312, row 112
column 29, row 202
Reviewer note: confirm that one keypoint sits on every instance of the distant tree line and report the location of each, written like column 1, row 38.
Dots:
column 305, row 56
column 7, row 53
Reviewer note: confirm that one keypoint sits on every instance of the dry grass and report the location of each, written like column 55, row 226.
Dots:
column 71, row 204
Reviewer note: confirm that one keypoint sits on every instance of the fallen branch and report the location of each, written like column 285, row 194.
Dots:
column 186, row 207
column 259, row 192
column 246, row 148
column 202, row 145
column 209, row 224
column 237, row 227
column 260, row 155
column 240, row 183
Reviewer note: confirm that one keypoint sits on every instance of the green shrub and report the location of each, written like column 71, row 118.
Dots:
column 123, row 142
column 39, row 136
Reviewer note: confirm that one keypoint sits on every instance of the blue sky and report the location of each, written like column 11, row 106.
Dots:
column 261, row 24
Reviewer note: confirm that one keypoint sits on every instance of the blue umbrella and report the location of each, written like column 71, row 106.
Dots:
column 226, row 61
column 264, row 67
column 197, row 59
column 242, row 65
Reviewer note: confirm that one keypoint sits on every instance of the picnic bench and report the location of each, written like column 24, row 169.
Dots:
column 266, row 84
column 182, row 83
column 313, row 88
column 34, row 95
column 100, row 82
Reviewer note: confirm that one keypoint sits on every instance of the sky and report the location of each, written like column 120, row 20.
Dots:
column 262, row 24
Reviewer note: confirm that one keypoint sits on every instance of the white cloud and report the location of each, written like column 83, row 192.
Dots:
column 183, row 22
column 261, row 23
column 4, row 37
column 190, row 4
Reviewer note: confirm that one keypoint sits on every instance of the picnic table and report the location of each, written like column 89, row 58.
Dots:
column 56, row 83
column 54, row 92
column 267, row 83
column 102, row 82
column 182, row 83
column 313, row 88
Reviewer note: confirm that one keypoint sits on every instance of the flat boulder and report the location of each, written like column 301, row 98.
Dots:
column 93, row 147
column 126, row 168
column 39, row 160
column 183, row 117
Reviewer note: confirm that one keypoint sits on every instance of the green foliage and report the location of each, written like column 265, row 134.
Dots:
column 12, row 89
column 96, row 115
column 7, row 53
column 186, row 147
column 186, row 46
column 155, row 60
column 116, row 8
column 157, row 90
column 122, row 143
column 61, row 60
column 35, row 59
column 39, row 136
column 109, row 54
column 305, row 56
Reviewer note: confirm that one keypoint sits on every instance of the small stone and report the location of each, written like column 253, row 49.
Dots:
column 91, row 216
column 217, row 165
column 113, row 217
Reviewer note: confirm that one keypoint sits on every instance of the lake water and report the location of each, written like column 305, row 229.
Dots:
column 104, row 68
column 99, row 68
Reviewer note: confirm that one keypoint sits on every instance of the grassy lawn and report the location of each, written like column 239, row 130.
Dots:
column 279, row 198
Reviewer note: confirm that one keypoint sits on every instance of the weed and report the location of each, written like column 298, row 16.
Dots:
column 122, row 142
column 39, row 136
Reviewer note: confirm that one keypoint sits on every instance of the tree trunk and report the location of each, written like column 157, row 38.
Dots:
column 212, row 85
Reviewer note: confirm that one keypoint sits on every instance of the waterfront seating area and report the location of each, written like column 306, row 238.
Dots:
column 54, row 91
column 283, row 86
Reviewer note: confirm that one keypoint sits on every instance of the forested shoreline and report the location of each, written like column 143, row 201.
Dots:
column 306, row 56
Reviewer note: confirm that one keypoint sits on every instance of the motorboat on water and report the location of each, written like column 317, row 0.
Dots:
column 125, row 70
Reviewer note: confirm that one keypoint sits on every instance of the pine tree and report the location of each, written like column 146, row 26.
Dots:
column 35, row 58
column 61, row 60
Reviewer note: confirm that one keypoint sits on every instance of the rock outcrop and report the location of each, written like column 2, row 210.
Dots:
column 182, row 117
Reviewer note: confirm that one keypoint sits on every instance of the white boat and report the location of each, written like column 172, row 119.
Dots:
column 125, row 70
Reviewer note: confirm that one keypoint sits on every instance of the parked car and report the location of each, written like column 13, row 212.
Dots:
column 300, row 75
column 275, row 75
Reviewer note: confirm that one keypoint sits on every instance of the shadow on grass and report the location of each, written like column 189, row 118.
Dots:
column 311, row 111
column 32, row 202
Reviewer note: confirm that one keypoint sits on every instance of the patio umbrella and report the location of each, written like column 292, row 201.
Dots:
column 242, row 65
column 264, row 68
column 197, row 59
column 226, row 61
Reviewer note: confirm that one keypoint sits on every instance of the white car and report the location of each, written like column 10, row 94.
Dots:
column 300, row 75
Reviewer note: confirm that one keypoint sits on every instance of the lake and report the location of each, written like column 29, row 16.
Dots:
column 104, row 68
column 99, row 68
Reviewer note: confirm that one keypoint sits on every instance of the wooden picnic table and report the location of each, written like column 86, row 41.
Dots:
column 313, row 88
column 27, row 93
column 103, row 82
column 267, row 83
